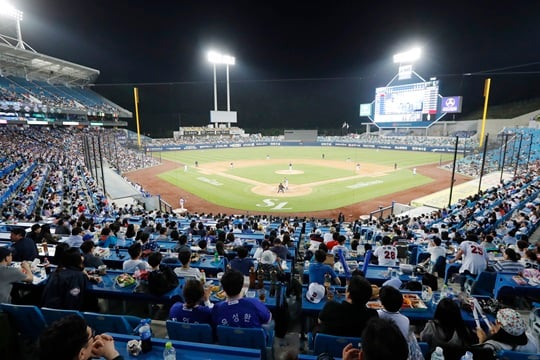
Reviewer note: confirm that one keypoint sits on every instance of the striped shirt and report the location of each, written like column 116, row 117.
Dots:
column 508, row 266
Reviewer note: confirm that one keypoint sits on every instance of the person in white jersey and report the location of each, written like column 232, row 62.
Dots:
column 387, row 254
column 474, row 260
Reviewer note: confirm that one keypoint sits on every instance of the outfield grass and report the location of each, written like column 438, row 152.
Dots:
column 232, row 187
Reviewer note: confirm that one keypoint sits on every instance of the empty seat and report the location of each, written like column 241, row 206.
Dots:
column 200, row 333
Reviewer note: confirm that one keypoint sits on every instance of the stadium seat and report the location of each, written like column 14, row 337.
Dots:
column 424, row 346
column 199, row 333
column 515, row 355
column 51, row 315
column 484, row 284
column 440, row 266
column 403, row 253
column 26, row 319
column 102, row 323
column 331, row 344
column 252, row 338
column 367, row 259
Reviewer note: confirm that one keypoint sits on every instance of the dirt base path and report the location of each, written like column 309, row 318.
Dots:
column 171, row 194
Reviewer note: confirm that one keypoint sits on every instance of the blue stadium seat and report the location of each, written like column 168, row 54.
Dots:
column 252, row 338
column 51, row 315
column 102, row 323
column 199, row 333
column 515, row 355
column 331, row 344
column 367, row 259
column 484, row 284
column 26, row 319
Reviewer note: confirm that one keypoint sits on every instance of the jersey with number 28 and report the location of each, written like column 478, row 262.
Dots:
column 387, row 255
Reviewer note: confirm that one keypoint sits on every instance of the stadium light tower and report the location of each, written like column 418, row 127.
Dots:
column 217, row 58
column 9, row 11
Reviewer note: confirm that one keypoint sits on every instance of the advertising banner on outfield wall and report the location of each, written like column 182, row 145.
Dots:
column 442, row 149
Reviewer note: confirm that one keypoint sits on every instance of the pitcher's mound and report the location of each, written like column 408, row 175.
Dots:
column 271, row 190
column 289, row 172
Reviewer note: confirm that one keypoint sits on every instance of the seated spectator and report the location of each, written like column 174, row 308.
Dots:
column 341, row 246
column 392, row 300
column 220, row 248
column 488, row 244
column 522, row 247
column 508, row 333
column 10, row 275
column 386, row 254
column 148, row 246
column 130, row 232
column 241, row 262
column 90, row 260
column 182, row 244
column 238, row 311
column 66, row 287
column 191, row 311
column 35, row 233
column 349, row 317
column 186, row 270
column 75, row 239
column 447, row 329
column 46, row 235
column 530, row 260
column 317, row 270
column 203, row 247
column 71, row 338
column 280, row 250
column 335, row 241
column 381, row 340
column 58, row 257
column 24, row 248
column 268, row 265
column 135, row 263
column 316, row 236
column 265, row 245
column 62, row 228
column 162, row 235
column 105, row 239
column 510, row 262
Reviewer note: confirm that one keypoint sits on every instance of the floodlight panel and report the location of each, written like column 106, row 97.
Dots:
column 408, row 56
column 10, row 11
column 217, row 58
column 229, row 60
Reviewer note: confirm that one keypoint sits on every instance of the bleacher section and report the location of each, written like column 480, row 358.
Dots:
column 18, row 93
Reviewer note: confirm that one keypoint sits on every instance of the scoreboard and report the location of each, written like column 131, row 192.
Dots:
column 412, row 104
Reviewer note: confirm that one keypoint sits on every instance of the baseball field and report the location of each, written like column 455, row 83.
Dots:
column 314, row 179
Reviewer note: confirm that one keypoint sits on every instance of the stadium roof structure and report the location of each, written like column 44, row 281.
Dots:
column 29, row 64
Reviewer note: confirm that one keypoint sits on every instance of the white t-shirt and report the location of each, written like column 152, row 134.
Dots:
column 436, row 252
column 131, row 265
column 387, row 255
column 190, row 272
column 474, row 257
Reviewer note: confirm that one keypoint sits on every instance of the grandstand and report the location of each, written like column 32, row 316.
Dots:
column 51, row 173
column 37, row 89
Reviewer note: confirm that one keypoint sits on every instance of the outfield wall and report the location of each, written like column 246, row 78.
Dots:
column 442, row 149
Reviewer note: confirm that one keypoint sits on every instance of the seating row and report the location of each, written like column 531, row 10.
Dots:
column 29, row 321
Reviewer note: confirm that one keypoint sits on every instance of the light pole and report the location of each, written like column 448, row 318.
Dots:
column 8, row 10
column 217, row 58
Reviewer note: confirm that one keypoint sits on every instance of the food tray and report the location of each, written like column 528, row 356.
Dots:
column 125, row 281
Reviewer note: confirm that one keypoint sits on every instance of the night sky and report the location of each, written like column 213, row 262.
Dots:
column 298, row 64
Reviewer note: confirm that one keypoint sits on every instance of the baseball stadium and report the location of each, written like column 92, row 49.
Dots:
column 366, row 206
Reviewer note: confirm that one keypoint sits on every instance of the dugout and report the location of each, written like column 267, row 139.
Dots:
column 300, row 135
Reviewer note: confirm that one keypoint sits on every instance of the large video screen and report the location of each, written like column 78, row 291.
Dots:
column 406, row 105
